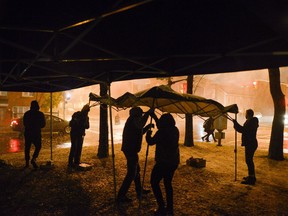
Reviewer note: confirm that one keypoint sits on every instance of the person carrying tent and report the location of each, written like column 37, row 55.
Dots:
column 131, row 145
column 167, row 159
column 79, row 123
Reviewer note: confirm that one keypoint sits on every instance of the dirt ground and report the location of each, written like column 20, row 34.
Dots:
column 213, row 190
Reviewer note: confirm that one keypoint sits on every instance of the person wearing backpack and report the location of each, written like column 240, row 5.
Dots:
column 79, row 123
column 209, row 129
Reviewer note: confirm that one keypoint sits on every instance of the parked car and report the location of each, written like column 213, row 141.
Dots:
column 59, row 125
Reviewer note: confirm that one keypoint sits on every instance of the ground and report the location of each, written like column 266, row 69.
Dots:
column 213, row 190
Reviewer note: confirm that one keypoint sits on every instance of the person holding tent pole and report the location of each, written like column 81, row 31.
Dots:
column 131, row 144
column 167, row 159
column 249, row 141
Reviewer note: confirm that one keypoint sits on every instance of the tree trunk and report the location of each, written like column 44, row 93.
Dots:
column 189, row 141
column 103, row 148
column 276, row 140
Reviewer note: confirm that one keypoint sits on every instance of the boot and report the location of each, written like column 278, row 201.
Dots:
column 245, row 178
column 161, row 211
column 251, row 180
column 144, row 192
column 27, row 164
column 169, row 213
column 33, row 162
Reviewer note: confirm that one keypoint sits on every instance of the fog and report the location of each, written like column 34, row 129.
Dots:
column 246, row 77
column 249, row 89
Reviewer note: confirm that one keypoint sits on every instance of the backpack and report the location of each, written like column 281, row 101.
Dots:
column 77, row 120
column 208, row 124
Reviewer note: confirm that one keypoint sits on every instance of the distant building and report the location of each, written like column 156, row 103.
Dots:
column 13, row 105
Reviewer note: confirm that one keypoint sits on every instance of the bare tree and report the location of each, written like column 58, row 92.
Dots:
column 189, row 141
column 44, row 100
column 103, row 148
column 276, row 140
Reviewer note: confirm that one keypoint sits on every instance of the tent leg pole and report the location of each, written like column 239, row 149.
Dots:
column 145, row 165
column 112, row 143
column 144, row 172
column 51, row 152
column 235, row 150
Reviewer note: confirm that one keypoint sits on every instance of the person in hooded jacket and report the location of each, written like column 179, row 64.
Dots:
column 33, row 121
column 131, row 145
column 167, row 159
column 79, row 123
column 249, row 141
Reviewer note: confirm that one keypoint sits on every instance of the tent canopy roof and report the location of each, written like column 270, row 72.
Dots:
column 60, row 45
column 165, row 99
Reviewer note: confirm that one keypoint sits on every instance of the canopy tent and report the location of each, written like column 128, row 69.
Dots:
column 98, row 100
column 59, row 45
column 50, row 46
column 165, row 99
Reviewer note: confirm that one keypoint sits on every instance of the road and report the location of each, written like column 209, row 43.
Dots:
column 10, row 142
column 263, row 134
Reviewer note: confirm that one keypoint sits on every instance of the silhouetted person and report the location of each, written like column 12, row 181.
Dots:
column 33, row 121
column 249, row 141
column 131, row 144
column 209, row 129
column 79, row 123
column 166, row 161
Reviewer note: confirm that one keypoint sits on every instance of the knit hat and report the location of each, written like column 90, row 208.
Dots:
column 136, row 111
column 34, row 105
